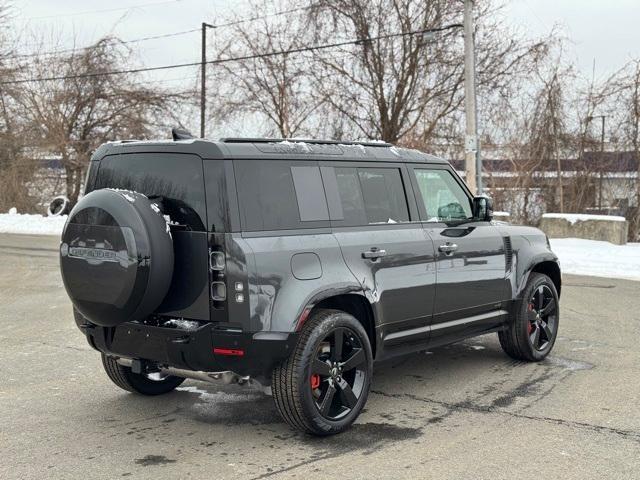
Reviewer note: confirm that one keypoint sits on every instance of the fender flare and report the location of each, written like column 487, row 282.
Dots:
column 324, row 294
column 523, row 278
column 317, row 297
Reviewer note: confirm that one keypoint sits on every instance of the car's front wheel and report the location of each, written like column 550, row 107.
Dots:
column 322, row 387
column 534, row 327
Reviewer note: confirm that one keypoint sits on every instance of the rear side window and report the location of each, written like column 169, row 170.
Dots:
column 370, row 196
column 177, row 179
column 351, row 200
column 280, row 195
column 383, row 194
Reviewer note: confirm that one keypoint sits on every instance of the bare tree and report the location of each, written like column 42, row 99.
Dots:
column 399, row 83
column 625, row 95
column 531, row 136
column 273, row 87
column 548, row 128
column 16, row 168
column 87, row 106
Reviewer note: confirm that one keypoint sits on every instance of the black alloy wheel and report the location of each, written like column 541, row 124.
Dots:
column 323, row 385
column 338, row 374
column 532, row 330
column 541, row 315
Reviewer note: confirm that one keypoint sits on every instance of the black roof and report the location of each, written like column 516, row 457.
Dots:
column 263, row 148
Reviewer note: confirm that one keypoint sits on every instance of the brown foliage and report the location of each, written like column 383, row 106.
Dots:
column 74, row 115
column 275, row 87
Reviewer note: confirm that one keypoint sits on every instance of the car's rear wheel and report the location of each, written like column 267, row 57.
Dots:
column 533, row 329
column 322, row 387
column 144, row 384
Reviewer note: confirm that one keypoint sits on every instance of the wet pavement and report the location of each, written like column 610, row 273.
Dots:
column 463, row 411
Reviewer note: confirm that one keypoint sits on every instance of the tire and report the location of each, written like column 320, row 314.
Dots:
column 116, row 256
column 58, row 206
column 135, row 382
column 533, row 329
column 321, row 389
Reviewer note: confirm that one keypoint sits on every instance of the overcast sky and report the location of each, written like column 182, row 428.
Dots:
column 606, row 32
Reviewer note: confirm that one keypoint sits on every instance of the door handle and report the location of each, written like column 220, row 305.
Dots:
column 374, row 254
column 448, row 248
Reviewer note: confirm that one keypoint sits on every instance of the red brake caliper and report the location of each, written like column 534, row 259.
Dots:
column 315, row 381
column 530, row 325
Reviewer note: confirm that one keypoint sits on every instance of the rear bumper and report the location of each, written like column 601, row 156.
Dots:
column 194, row 349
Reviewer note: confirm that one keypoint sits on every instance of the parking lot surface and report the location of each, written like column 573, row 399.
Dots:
column 465, row 411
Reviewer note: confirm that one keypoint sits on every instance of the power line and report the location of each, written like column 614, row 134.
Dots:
column 105, row 10
column 167, row 35
column 236, row 59
column 133, row 40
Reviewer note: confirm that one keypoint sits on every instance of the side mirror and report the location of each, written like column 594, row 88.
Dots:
column 483, row 208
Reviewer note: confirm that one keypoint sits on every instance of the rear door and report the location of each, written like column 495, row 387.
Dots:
column 176, row 181
column 374, row 218
column 470, row 256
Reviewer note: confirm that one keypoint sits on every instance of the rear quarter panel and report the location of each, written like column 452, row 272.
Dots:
column 278, row 296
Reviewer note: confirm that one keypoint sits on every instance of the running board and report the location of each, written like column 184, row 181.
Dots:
column 453, row 323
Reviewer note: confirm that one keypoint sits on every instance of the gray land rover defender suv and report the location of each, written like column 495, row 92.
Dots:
column 296, row 264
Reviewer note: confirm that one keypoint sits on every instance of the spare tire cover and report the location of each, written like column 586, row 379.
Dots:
column 116, row 256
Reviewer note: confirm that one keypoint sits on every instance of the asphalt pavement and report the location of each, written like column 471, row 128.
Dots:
column 465, row 411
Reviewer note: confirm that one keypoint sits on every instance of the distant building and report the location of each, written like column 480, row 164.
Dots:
column 606, row 182
column 49, row 180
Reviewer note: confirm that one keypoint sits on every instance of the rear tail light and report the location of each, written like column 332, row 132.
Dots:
column 217, row 261
column 217, row 266
column 218, row 291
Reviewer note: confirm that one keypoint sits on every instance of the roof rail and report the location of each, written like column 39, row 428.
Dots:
column 303, row 140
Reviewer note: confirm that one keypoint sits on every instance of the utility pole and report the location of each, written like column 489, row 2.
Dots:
column 601, row 163
column 473, row 162
column 203, row 77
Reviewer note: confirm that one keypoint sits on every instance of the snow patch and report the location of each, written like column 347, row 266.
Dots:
column 127, row 194
column 583, row 217
column 568, row 363
column 395, row 151
column 24, row 223
column 182, row 324
column 597, row 259
column 169, row 222
column 358, row 146
column 207, row 396
column 305, row 147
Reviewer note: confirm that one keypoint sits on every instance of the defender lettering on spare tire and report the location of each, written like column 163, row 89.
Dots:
column 116, row 256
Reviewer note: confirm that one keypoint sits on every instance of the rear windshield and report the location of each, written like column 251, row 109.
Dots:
column 176, row 179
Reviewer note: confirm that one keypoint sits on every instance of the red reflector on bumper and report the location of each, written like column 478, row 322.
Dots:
column 228, row 351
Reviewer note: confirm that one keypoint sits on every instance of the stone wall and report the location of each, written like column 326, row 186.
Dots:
column 590, row 227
